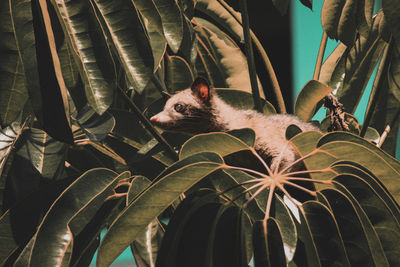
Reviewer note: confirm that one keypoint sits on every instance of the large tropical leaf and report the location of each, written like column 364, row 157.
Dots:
column 13, row 90
column 129, row 39
column 150, row 203
column 92, row 56
column 88, row 190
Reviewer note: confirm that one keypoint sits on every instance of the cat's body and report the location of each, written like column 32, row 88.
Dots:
column 199, row 110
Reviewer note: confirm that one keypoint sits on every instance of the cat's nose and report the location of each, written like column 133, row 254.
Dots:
column 154, row 118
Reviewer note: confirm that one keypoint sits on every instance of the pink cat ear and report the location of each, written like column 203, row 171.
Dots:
column 201, row 89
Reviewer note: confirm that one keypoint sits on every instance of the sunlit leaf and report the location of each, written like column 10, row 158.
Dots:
column 152, row 202
column 89, row 51
column 330, row 16
column 179, row 75
column 309, row 97
column 13, row 90
column 172, row 22
column 348, row 22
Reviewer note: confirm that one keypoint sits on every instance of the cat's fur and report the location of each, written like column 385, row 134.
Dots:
column 203, row 111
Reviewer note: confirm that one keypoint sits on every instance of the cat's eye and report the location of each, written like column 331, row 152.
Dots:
column 179, row 108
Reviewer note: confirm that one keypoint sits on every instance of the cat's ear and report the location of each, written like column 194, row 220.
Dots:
column 201, row 89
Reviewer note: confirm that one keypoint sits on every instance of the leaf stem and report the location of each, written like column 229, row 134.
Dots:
column 250, row 55
column 148, row 125
column 320, row 56
column 377, row 87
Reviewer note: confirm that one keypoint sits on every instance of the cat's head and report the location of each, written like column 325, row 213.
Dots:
column 188, row 110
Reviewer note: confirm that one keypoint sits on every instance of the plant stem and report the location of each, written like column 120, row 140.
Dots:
column 267, row 63
column 250, row 56
column 377, row 87
column 320, row 57
column 148, row 125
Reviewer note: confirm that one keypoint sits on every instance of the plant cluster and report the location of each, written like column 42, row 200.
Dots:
column 79, row 156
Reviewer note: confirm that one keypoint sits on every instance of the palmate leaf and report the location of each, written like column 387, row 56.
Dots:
column 380, row 221
column 325, row 234
column 267, row 243
column 129, row 39
column 361, row 241
column 150, row 203
column 93, row 61
column 13, row 90
column 88, row 190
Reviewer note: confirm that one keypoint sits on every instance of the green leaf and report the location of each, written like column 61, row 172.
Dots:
column 146, row 247
column 326, row 235
column 366, row 157
column 8, row 137
column 13, row 89
column 334, row 66
column 330, row 16
column 93, row 61
column 173, row 242
column 157, row 42
column 172, row 22
column 358, row 237
column 267, row 243
column 148, row 9
column 222, row 15
column 308, row 98
column 284, row 220
column 54, row 230
column 348, row 22
column 343, row 167
column 342, row 136
column 391, row 9
column 362, row 60
column 221, row 143
column 129, row 39
column 179, row 75
column 96, row 127
column 382, row 219
column 20, row 222
column 146, row 207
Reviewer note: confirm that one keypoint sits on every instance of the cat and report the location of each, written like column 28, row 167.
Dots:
column 199, row 109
